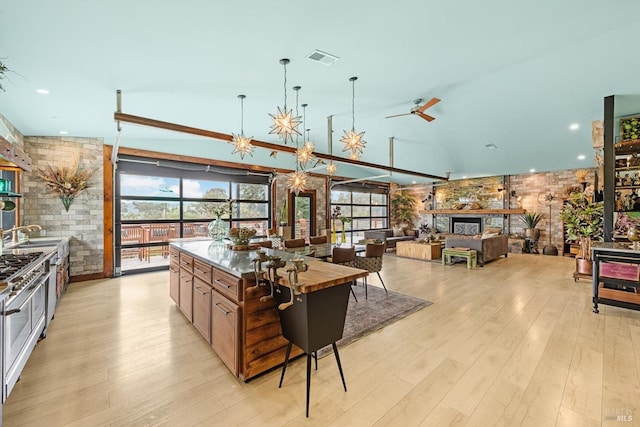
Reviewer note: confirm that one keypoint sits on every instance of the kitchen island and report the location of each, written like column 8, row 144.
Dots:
column 216, row 289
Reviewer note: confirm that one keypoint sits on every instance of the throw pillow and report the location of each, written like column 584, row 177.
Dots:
column 485, row 235
column 397, row 232
column 493, row 230
column 408, row 232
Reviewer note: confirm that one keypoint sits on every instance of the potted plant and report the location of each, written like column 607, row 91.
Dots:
column 530, row 220
column 583, row 223
column 403, row 206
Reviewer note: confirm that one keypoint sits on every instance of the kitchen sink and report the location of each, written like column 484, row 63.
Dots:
column 38, row 243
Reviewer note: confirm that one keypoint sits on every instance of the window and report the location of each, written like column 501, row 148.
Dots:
column 155, row 203
column 368, row 208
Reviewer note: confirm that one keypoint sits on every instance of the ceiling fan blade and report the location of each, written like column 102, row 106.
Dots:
column 430, row 103
column 425, row 116
column 398, row 115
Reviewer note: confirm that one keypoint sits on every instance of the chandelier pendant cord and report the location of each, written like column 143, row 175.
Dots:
column 242, row 115
column 353, row 104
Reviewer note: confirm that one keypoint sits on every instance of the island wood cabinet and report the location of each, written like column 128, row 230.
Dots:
column 202, row 308
column 174, row 276
column 244, row 331
column 186, row 285
column 225, row 316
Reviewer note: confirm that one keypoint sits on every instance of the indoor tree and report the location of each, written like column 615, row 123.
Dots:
column 403, row 207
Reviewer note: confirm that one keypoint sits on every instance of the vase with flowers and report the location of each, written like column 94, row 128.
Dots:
column 66, row 182
column 218, row 228
column 344, row 220
column 240, row 236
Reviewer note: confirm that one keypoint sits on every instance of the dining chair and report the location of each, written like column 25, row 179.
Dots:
column 372, row 262
column 345, row 256
column 265, row 244
column 294, row 243
column 317, row 240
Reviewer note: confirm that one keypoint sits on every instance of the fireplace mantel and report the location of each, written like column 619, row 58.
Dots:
column 474, row 211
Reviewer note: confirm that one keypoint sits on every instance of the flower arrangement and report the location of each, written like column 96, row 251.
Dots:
column 66, row 182
column 241, row 235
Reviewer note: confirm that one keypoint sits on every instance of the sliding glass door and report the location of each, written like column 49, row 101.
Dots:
column 155, row 204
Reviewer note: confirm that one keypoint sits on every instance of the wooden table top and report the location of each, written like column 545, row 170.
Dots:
column 321, row 275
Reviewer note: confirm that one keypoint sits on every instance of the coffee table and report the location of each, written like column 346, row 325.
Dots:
column 416, row 250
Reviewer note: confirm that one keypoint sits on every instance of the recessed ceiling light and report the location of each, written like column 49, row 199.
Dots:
column 581, row 157
column 574, row 126
column 532, row 170
column 413, row 182
column 491, row 146
column 464, row 177
column 43, row 91
column 63, row 132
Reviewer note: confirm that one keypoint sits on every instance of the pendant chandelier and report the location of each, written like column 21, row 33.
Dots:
column 297, row 181
column 241, row 143
column 304, row 154
column 331, row 167
column 285, row 124
column 352, row 140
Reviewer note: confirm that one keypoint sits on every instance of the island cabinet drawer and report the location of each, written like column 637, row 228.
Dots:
column 227, row 284
column 186, row 262
column 225, row 330
column 202, row 308
column 174, row 254
column 202, row 271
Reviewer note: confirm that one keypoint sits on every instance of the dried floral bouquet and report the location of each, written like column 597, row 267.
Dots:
column 66, row 182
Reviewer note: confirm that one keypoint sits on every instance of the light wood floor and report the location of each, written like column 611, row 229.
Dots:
column 513, row 343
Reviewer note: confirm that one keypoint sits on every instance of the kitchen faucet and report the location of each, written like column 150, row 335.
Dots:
column 14, row 231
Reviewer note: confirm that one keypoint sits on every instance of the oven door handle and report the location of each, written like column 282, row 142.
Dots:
column 17, row 310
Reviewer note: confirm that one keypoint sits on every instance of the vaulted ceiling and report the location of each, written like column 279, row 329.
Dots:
column 512, row 74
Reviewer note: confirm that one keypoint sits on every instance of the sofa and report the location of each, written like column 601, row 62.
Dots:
column 488, row 248
column 390, row 237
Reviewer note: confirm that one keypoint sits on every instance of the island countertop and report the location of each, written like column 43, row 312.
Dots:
column 237, row 263
column 240, row 264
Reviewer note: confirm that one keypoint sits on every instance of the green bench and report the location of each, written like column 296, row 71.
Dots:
column 470, row 254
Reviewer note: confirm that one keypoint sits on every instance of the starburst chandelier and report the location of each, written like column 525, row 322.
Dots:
column 241, row 143
column 304, row 154
column 332, row 168
column 297, row 181
column 285, row 124
column 351, row 139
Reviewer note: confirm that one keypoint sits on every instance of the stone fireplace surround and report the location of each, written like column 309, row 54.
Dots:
column 466, row 225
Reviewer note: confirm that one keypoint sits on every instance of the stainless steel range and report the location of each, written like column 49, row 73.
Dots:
column 24, row 277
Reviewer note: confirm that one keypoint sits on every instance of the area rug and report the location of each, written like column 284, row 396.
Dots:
column 369, row 315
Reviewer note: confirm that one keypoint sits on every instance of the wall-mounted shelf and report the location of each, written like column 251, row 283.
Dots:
column 474, row 211
column 9, row 194
column 627, row 187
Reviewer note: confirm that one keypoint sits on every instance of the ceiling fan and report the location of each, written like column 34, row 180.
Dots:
column 418, row 110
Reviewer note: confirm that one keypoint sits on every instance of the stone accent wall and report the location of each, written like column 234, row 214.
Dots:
column 84, row 223
column 530, row 190
column 313, row 183
column 532, row 187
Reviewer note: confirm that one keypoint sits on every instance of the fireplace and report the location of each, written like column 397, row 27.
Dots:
column 466, row 225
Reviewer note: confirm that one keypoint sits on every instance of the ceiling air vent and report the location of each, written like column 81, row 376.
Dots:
column 322, row 57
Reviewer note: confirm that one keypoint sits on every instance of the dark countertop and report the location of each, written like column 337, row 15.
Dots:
column 625, row 248
column 237, row 263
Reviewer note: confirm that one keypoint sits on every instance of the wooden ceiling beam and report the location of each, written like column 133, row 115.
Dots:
column 143, row 121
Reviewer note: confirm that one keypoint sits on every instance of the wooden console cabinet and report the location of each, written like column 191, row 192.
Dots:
column 623, row 291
